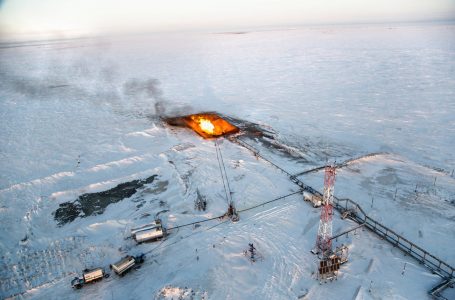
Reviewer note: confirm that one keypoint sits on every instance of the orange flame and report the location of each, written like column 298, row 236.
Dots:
column 206, row 125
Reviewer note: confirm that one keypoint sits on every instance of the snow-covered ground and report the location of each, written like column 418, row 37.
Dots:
column 374, row 182
column 80, row 116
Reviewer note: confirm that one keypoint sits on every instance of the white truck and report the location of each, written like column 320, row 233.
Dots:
column 149, row 232
column 126, row 264
column 316, row 200
column 88, row 276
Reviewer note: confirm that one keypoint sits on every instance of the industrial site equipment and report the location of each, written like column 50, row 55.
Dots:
column 342, row 253
column 126, row 264
column 328, row 267
column 208, row 125
column 232, row 211
column 314, row 199
column 330, row 260
column 88, row 276
column 149, row 232
column 324, row 238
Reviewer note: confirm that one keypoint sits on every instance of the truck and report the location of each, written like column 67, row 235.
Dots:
column 149, row 232
column 88, row 276
column 126, row 264
column 314, row 199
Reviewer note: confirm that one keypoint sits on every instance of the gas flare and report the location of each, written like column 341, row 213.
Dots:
column 207, row 125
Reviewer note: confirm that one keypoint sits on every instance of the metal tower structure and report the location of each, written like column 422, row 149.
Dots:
column 323, row 240
column 231, row 212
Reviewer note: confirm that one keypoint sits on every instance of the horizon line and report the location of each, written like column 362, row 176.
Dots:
column 80, row 34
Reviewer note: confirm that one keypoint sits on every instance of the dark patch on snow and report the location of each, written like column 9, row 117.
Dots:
column 265, row 136
column 58, row 86
column 137, row 199
column 158, row 188
column 200, row 203
column 140, row 204
column 145, row 215
column 92, row 204
column 250, row 129
column 303, row 151
column 239, row 177
column 388, row 177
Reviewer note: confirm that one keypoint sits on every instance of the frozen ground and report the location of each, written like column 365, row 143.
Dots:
column 80, row 116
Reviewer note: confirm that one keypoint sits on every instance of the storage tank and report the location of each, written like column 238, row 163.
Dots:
column 148, row 235
column 148, row 232
column 123, row 265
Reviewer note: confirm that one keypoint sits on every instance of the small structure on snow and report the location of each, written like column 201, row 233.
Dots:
column 330, row 265
column 149, row 232
column 314, row 199
column 347, row 214
column 201, row 202
column 232, row 213
column 252, row 253
column 342, row 252
column 328, row 268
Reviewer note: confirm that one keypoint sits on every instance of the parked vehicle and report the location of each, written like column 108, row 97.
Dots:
column 88, row 276
column 149, row 232
column 127, row 263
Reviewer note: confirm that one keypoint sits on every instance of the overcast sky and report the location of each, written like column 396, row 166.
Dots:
column 95, row 16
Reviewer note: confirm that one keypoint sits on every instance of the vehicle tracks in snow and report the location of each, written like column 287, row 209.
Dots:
column 29, row 268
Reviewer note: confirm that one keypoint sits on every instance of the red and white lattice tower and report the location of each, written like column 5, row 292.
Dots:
column 323, row 240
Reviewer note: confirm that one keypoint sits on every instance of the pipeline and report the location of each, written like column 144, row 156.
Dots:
column 357, row 214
